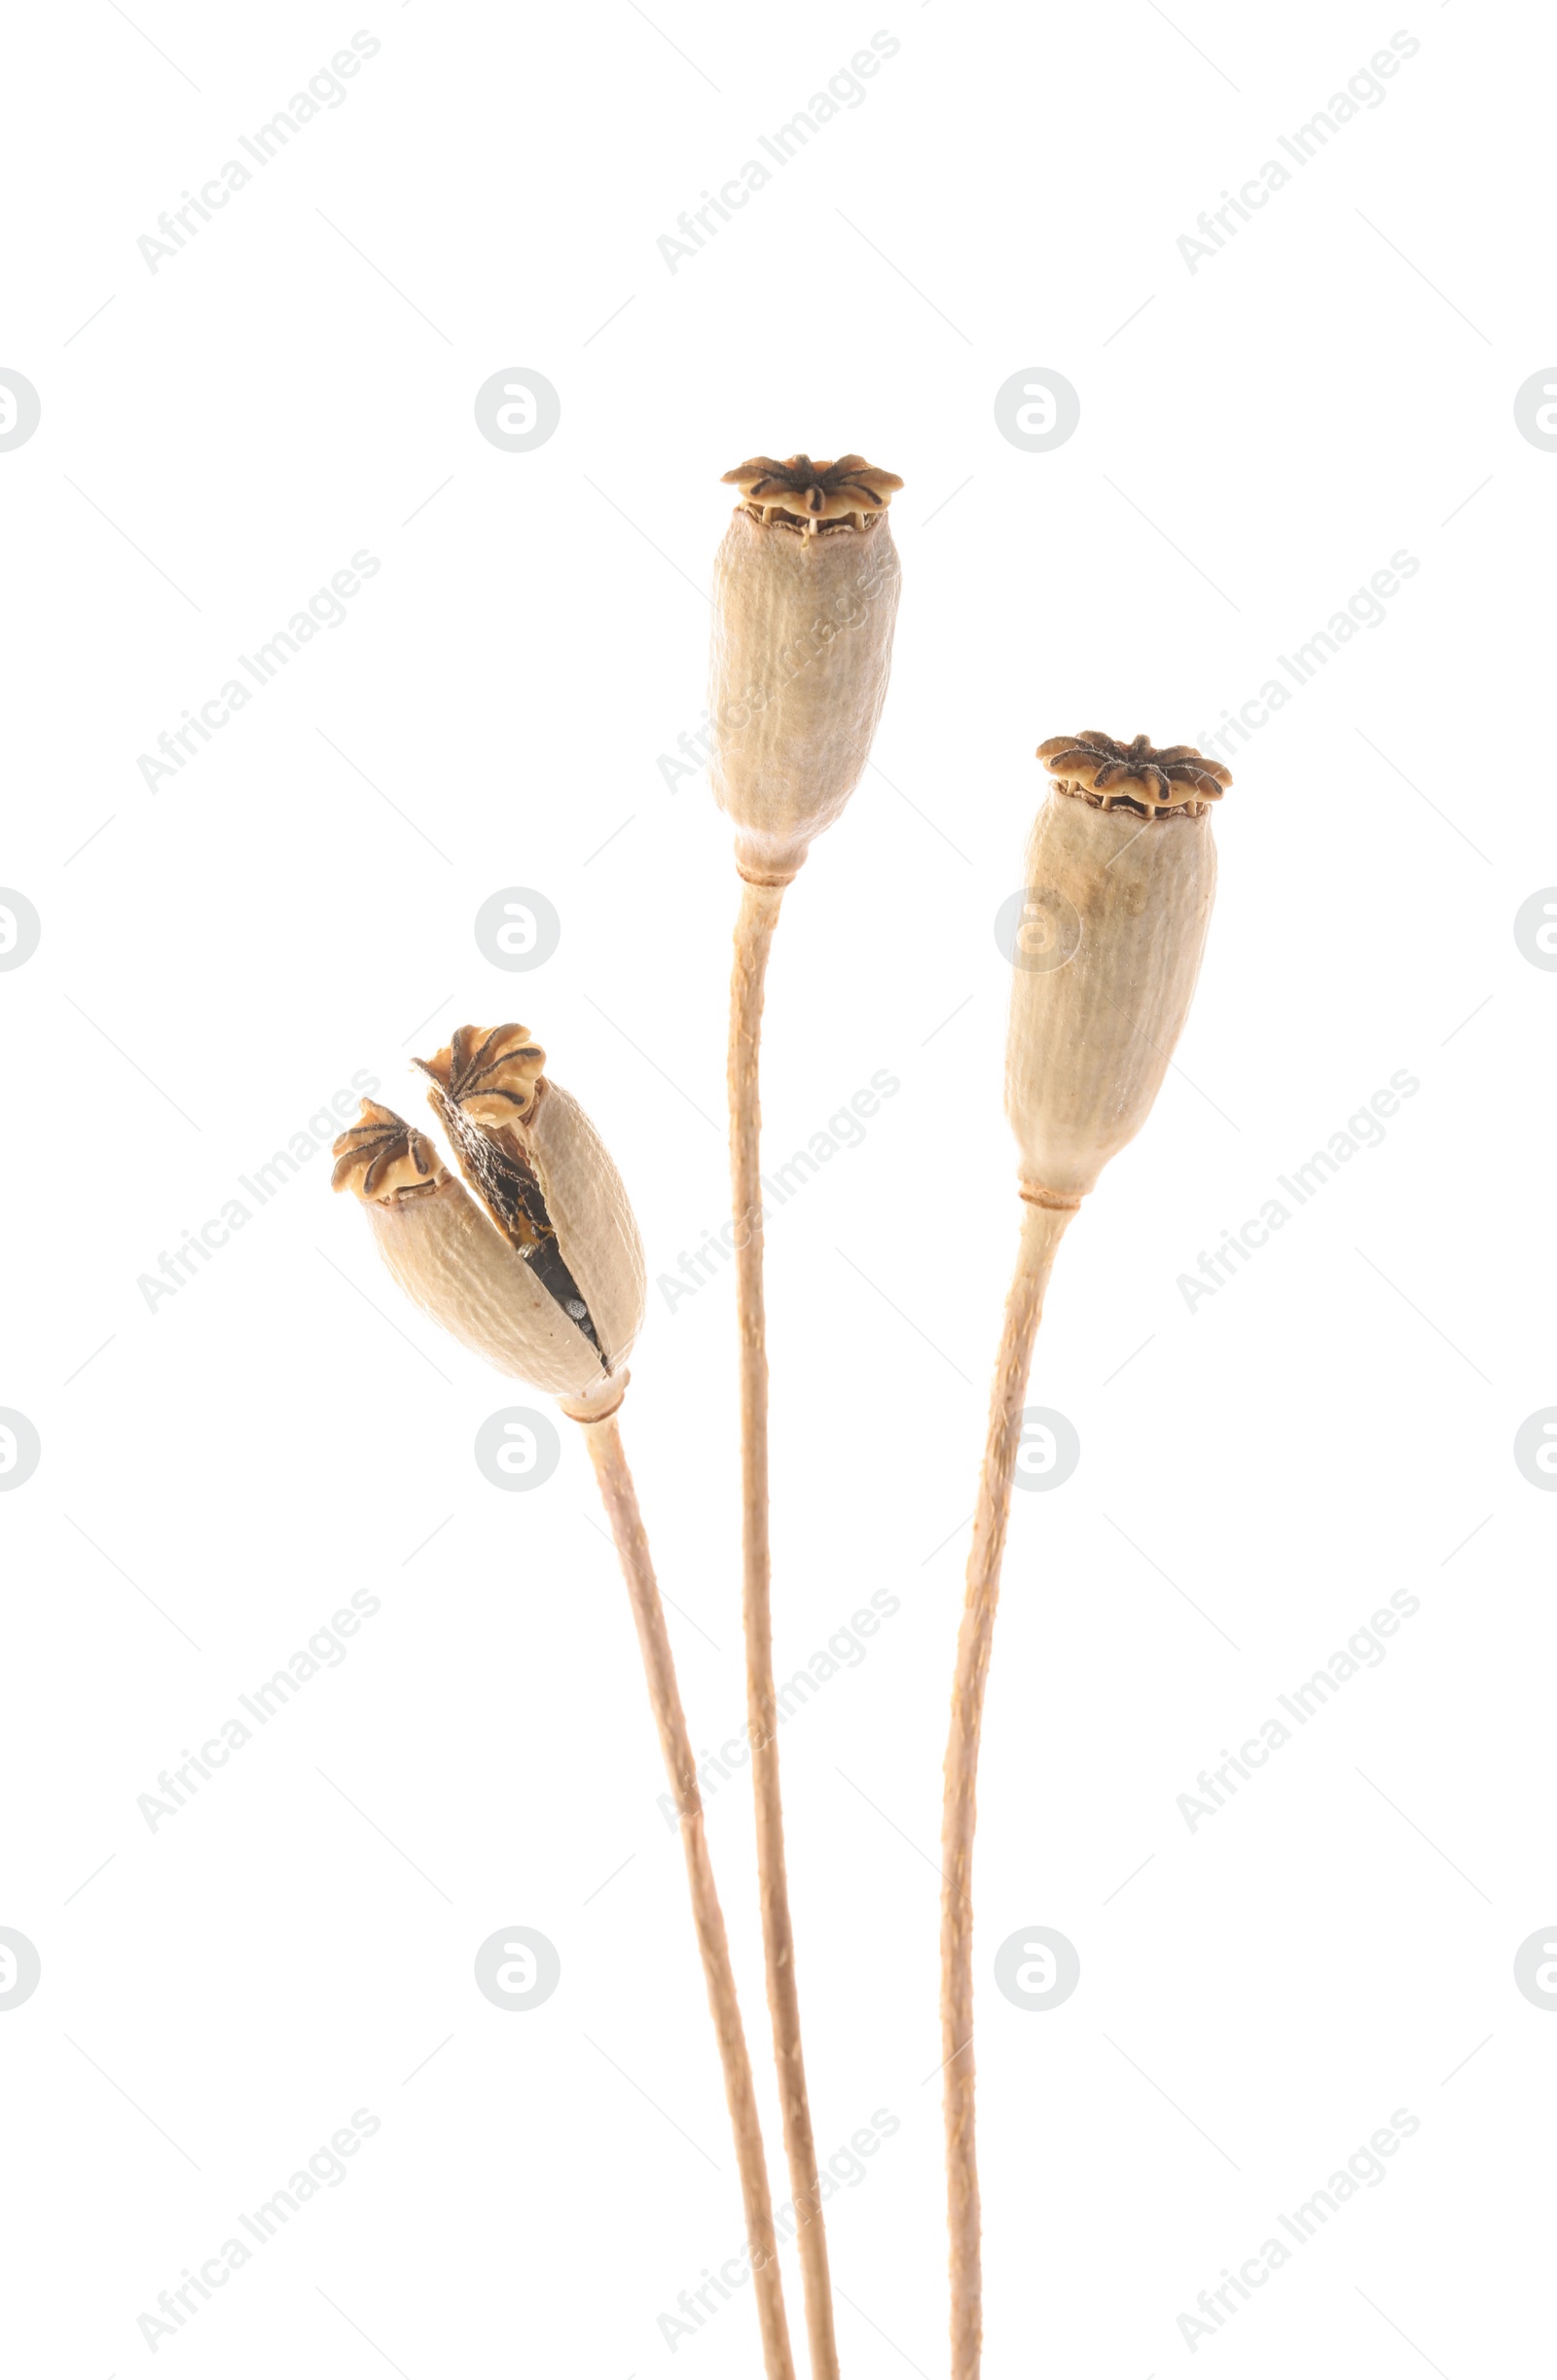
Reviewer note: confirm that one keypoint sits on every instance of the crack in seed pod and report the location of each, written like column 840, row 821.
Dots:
column 485, row 1085
column 549, row 1290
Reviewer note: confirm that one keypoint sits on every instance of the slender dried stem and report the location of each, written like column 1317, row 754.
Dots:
column 759, row 914
column 1042, row 1230
column 621, row 1502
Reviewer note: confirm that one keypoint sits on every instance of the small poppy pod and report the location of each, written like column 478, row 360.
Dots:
column 1119, row 881
column 805, row 599
column 541, row 1272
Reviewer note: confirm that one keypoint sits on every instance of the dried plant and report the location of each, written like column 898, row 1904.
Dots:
column 1122, row 852
column 806, row 588
column 541, row 1273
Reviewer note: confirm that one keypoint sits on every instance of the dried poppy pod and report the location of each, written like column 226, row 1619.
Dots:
column 542, row 1273
column 1120, row 876
column 1121, row 869
column 805, row 597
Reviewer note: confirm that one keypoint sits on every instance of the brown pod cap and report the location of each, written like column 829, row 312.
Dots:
column 1134, row 775
column 813, row 497
column 383, row 1155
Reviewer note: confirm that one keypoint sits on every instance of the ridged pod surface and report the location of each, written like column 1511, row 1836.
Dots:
column 595, row 1227
column 801, row 650
column 454, row 1263
column 1091, row 1034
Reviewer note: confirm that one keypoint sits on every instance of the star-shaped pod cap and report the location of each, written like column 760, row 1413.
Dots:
column 383, row 1155
column 1113, row 776
column 492, row 1075
column 799, row 493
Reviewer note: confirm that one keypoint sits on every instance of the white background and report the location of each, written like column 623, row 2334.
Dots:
column 219, row 955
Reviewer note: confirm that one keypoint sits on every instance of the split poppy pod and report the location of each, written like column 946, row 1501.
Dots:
column 537, row 1267
column 541, row 1272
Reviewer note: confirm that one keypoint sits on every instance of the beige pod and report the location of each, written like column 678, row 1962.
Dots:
column 1118, row 884
column 805, row 599
column 541, row 1273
